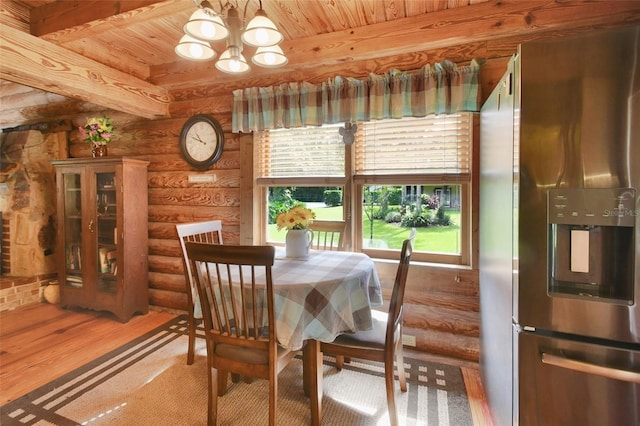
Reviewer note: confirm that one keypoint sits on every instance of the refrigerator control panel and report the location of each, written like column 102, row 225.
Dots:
column 598, row 207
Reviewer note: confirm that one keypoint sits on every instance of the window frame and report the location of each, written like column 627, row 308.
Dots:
column 462, row 259
column 353, row 185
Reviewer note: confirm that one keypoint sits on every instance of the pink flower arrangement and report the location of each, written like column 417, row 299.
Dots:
column 97, row 131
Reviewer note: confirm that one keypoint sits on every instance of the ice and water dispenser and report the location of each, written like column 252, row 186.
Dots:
column 591, row 243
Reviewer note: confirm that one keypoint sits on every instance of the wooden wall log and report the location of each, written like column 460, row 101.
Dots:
column 168, row 264
column 168, row 299
column 189, row 197
column 168, row 247
column 438, row 298
column 445, row 344
column 167, row 282
column 162, row 231
column 455, row 321
column 33, row 97
column 181, row 214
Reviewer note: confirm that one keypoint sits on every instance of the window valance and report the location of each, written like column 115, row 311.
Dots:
column 442, row 88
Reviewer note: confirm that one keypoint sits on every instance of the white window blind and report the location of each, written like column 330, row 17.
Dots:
column 307, row 152
column 426, row 145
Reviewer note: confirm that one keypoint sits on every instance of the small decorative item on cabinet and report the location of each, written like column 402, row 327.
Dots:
column 99, row 151
column 98, row 132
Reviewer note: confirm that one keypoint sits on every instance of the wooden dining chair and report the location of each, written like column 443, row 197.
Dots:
column 202, row 232
column 239, row 316
column 328, row 234
column 383, row 342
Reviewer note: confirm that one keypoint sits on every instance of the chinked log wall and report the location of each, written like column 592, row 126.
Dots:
column 441, row 303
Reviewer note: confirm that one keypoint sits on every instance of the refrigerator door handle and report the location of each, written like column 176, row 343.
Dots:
column 588, row 368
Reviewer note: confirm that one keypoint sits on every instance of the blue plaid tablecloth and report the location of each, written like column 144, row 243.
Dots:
column 323, row 296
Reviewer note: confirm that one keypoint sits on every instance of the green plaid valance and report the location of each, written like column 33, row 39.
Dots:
column 442, row 88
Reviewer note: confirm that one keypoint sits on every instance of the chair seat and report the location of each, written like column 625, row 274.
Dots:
column 373, row 338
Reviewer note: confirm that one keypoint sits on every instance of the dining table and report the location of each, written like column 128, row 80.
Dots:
column 317, row 298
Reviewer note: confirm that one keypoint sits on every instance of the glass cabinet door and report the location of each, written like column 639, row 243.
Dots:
column 106, row 214
column 73, row 228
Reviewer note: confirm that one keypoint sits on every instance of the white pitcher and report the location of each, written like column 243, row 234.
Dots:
column 298, row 242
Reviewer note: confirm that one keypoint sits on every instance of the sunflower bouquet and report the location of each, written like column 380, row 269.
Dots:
column 297, row 217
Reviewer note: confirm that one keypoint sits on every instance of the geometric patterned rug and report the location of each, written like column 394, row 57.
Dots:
column 147, row 382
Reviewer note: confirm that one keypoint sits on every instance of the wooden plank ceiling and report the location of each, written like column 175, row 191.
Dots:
column 120, row 53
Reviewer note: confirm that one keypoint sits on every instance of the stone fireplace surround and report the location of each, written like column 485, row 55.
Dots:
column 27, row 204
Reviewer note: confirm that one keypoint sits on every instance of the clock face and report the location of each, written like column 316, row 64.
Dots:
column 201, row 141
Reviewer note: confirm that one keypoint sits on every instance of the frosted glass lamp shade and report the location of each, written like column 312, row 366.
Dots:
column 261, row 31
column 194, row 49
column 269, row 57
column 206, row 26
column 232, row 64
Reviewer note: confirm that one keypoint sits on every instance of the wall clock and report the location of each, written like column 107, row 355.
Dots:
column 201, row 141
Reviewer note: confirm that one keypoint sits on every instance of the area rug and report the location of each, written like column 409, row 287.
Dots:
column 147, row 382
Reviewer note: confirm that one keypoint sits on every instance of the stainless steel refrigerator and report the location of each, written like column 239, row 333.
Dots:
column 560, row 233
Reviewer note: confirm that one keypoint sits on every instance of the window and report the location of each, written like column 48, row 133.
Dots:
column 397, row 174
column 305, row 152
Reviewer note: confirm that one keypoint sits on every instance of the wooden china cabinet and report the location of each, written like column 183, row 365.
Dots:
column 102, row 234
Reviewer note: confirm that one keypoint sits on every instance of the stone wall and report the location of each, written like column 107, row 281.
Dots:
column 28, row 206
column 27, row 201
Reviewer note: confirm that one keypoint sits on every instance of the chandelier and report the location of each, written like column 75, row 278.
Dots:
column 206, row 25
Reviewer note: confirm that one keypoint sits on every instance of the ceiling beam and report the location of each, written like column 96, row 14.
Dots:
column 60, row 15
column 478, row 22
column 152, row 11
column 34, row 62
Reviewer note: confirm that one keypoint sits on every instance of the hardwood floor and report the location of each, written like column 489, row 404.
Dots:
column 41, row 342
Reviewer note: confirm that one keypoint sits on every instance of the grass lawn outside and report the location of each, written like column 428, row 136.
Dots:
column 437, row 239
